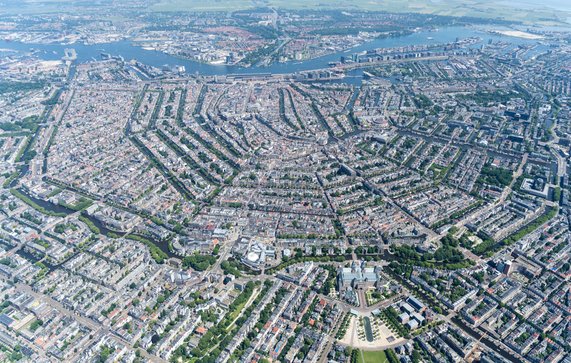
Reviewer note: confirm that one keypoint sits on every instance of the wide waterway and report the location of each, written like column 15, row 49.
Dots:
column 129, row 51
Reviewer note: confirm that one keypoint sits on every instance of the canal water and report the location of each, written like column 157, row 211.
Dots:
column 162, row 245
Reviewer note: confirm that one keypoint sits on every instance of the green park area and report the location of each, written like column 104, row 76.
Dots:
column 373, row 357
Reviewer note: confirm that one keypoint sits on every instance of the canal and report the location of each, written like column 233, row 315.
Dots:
column 161, row 244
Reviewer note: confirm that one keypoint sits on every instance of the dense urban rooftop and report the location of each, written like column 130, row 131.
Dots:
column 405, row 202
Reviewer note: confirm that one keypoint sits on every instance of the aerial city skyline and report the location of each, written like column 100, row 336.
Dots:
column 270, row 181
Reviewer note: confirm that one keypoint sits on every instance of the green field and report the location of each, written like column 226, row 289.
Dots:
column 470, row 8
column 372, row 357
column 503, row 10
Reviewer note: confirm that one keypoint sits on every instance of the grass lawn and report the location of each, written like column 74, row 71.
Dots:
column 236, row 313
column 373, row 357
column 238, row 310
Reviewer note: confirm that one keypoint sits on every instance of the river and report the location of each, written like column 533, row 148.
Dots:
column 129, row 51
